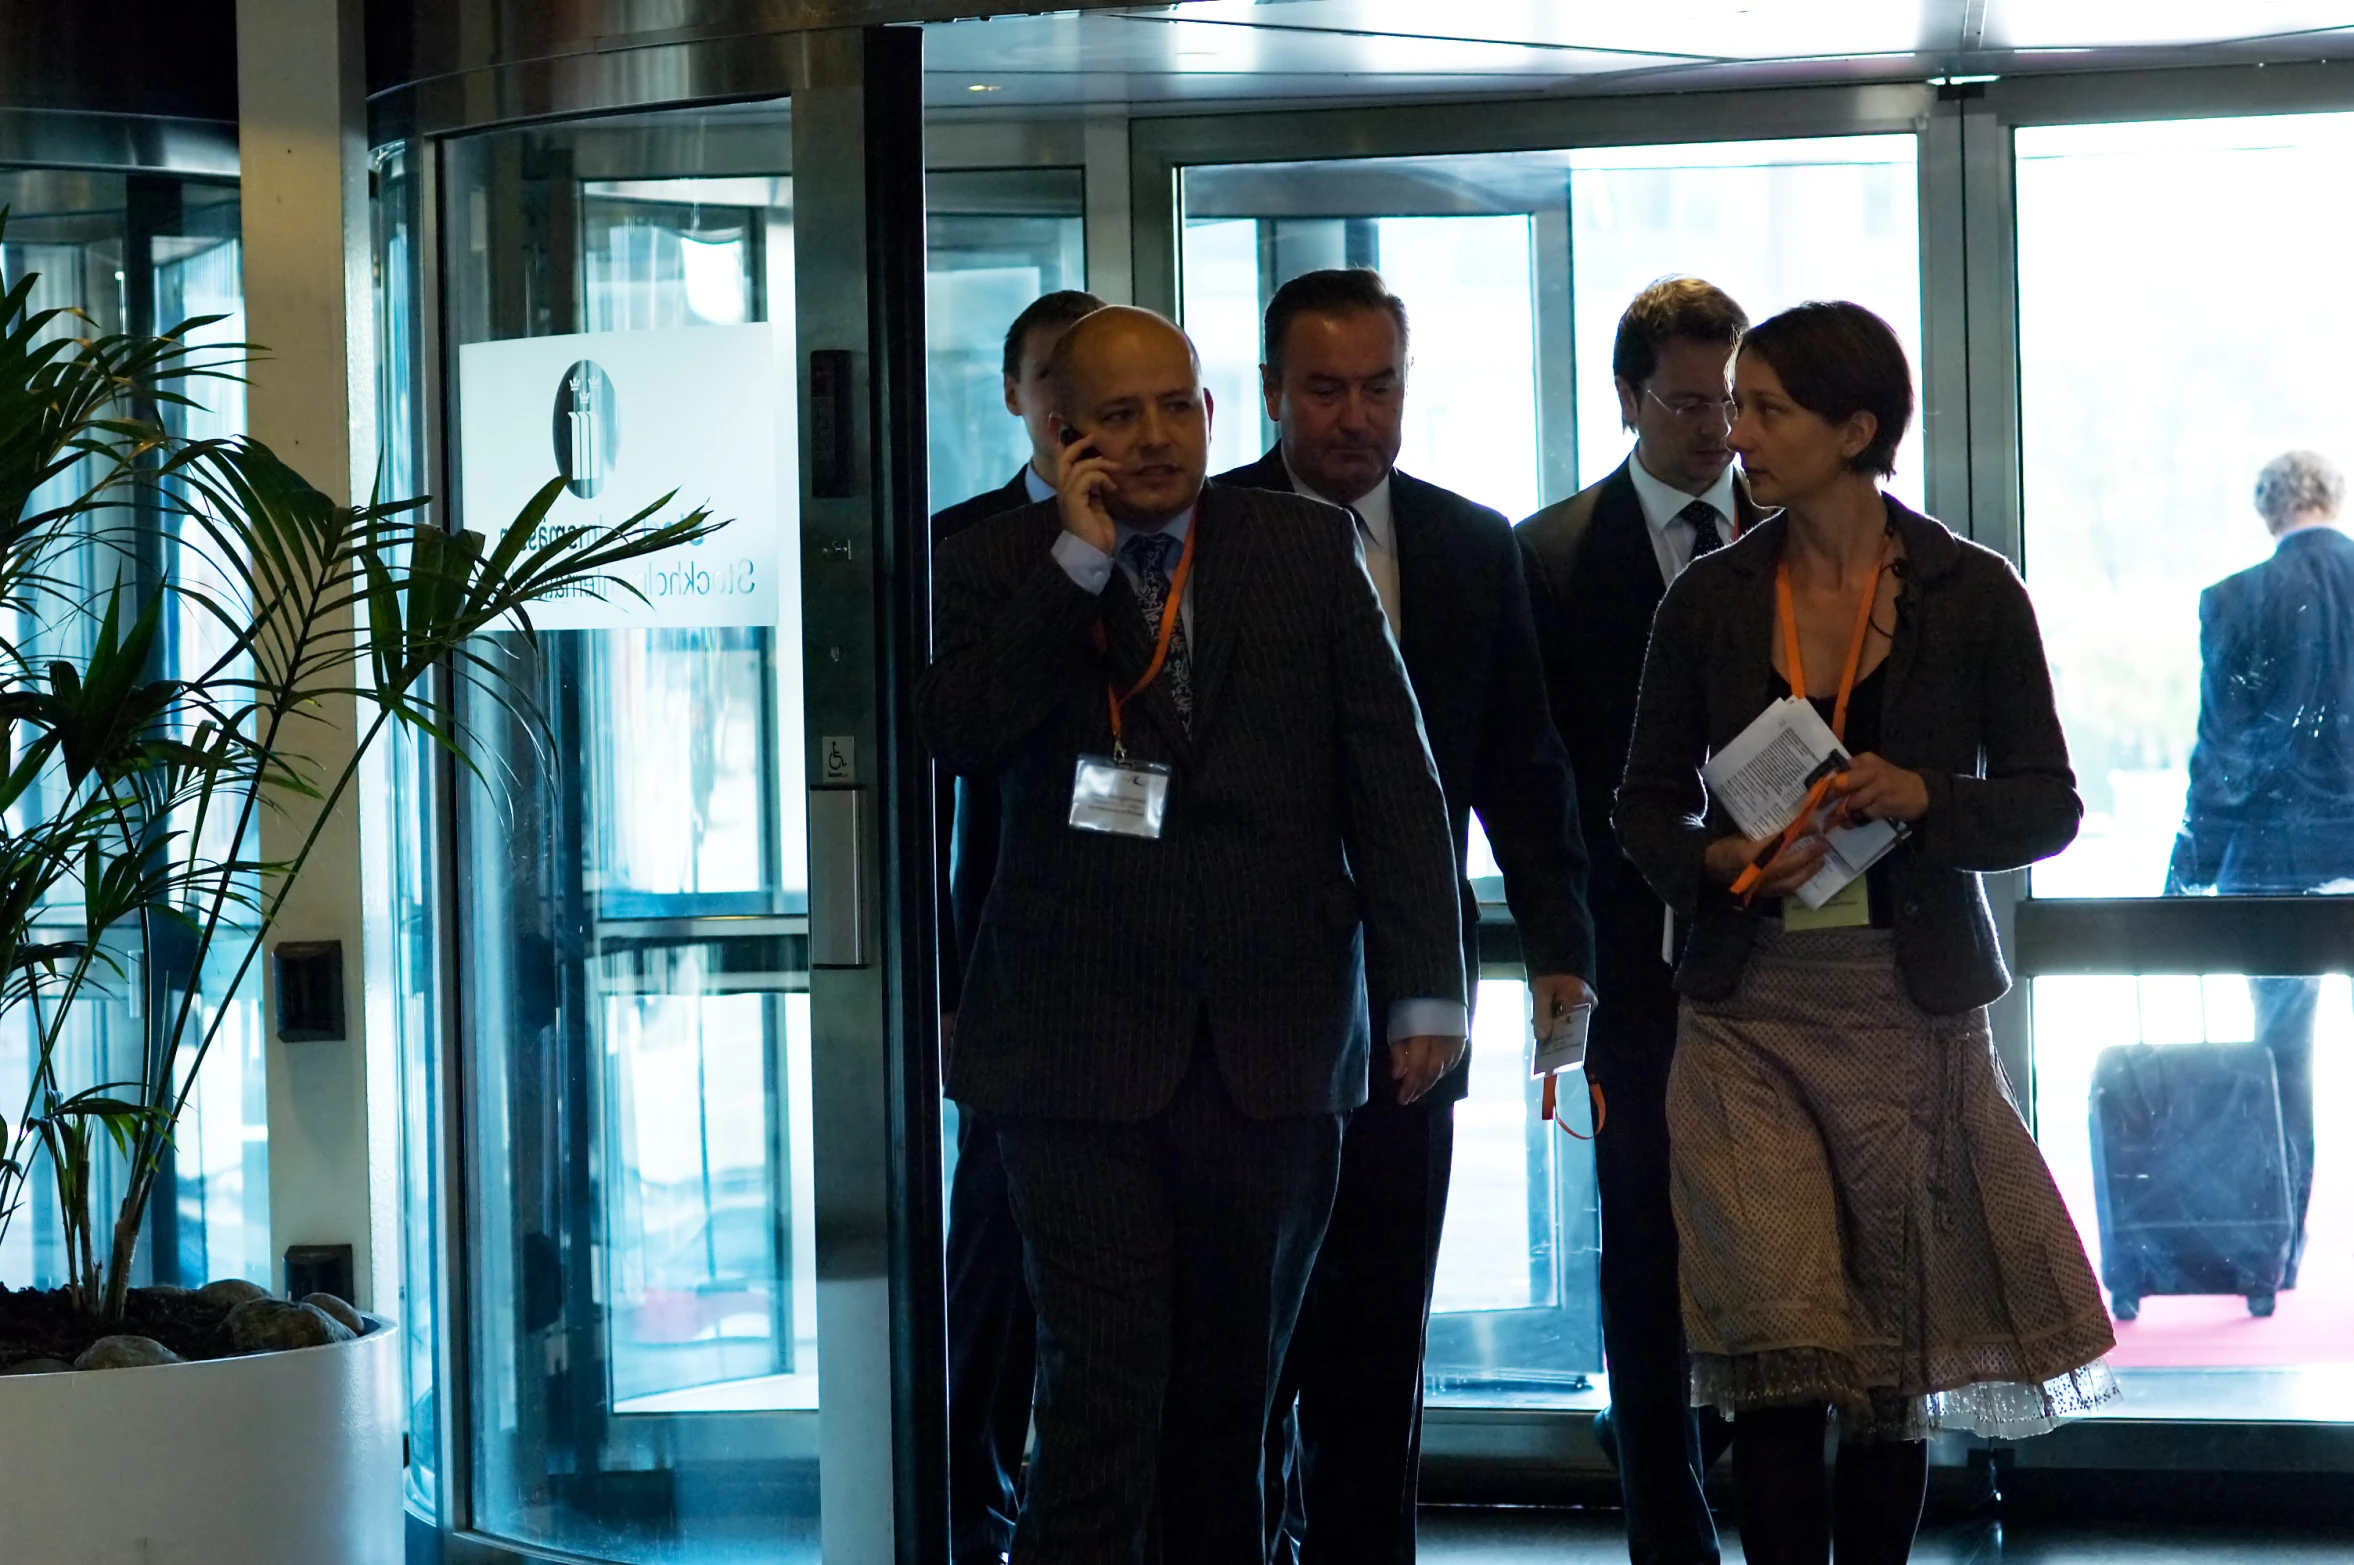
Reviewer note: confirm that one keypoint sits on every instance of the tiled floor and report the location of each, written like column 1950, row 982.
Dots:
column 1522, row 1537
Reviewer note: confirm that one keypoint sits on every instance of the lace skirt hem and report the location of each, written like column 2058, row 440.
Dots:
column 1984, row 1404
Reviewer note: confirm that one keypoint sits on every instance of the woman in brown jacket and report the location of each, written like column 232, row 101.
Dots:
column 1867, row 1228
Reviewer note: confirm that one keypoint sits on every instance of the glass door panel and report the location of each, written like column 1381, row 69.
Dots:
column 996, row 240
column 633, row 901
column 2142, row 440
column 1514, row 268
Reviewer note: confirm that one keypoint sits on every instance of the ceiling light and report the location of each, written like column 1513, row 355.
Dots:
column 984, row 87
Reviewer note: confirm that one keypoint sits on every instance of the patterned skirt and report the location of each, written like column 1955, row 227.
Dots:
column 1864, row 1219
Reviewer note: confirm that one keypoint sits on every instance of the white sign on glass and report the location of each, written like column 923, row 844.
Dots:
column 624, row 418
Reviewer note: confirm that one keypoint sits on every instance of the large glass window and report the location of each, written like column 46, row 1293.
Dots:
column 2163, row 363
column 1514, row 268
column 144, row 253
column 997, row 239
column 633, row 894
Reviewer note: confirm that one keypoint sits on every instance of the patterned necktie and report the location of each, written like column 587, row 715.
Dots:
column 1150, row 555
column 1707, row 538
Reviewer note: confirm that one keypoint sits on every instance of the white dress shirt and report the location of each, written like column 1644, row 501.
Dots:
column 1671, row 537
column 1378, row 530
column 1091, row 569
column 1040, row 489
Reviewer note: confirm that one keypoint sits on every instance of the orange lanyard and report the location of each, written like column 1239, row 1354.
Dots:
column 1170, row 612
column 1786, row 611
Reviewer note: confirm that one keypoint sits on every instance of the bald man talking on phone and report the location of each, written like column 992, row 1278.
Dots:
column 1218, row 810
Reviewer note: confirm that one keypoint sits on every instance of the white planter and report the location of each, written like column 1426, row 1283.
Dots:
column 277, row 1459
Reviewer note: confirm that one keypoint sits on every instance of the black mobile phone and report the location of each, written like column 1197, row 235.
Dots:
column 1072, row 437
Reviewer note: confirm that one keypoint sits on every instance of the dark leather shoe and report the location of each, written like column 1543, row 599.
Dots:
column 1606, row 1436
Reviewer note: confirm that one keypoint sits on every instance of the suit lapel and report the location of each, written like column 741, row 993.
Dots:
column 1622, row 544
column 1217, row 587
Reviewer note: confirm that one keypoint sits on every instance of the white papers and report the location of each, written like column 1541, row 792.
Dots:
column 1762, row 779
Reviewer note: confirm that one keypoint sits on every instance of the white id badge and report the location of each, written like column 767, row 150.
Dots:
column 1562, row 1048
column 1124, row 797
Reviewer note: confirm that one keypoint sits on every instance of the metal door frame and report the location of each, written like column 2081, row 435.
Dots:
column 857, row 162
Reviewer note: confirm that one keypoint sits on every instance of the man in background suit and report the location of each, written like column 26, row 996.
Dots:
column 2271, row 805
column 992, row 1331
column 1167, row 1027
column 1449, row 576
column 1599, row 563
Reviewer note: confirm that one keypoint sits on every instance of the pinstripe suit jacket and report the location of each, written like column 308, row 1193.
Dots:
column 1305, row 820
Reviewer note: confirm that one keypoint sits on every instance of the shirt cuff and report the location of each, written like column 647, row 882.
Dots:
column 1089, row 568
column 1428, row 1019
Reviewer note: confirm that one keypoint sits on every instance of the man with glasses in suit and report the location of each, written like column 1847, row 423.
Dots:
column 1599, row 563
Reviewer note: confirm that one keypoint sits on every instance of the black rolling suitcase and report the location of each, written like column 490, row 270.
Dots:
column 2190, row 1173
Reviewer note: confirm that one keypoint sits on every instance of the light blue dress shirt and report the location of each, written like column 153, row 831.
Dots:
column 1091, row 569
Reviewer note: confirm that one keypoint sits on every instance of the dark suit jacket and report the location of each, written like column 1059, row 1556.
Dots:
column 2271, row 807
column 1303, row 805
column 1594, row 584
column 1471, row 654
column 1967, row 703
column 967, row 821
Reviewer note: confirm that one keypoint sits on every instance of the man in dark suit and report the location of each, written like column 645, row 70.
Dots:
column 1164, row 1015
column 1449, row 576
column 992, row 1331
column 2271, row 804
column 1599, row 563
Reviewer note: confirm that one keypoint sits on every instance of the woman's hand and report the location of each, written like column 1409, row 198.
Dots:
column 1873, row 790
column 1727, row 857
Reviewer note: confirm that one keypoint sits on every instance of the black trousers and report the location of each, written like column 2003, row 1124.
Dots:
column 1167, row 1260
column 1663, row 1447
column 992, row 1351
column 2285, row 1009
column 1342, row 1471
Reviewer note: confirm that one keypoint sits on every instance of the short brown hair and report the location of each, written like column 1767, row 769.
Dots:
column 1673, row 307
column 1064, row 307
column 1337, row 291
column 1836, row 360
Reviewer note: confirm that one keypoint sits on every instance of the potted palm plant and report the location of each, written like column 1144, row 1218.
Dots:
column 210, row 1423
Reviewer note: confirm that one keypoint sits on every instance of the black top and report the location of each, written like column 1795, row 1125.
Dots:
column 1967, row 703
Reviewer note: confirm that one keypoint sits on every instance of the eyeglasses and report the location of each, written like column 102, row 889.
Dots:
column 1697, row 410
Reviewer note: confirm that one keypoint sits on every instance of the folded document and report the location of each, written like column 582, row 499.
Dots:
column 1762, row 778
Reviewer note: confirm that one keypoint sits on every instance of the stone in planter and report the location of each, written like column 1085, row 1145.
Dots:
column 269, row 1325
column 229, row 1292
column 125, row 1352
column 337, row 1309
column 39, row 1366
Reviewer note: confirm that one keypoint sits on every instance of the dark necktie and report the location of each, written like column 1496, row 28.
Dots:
column 1150, row 555
column 1707, row 537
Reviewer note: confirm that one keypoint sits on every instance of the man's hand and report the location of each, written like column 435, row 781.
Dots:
column 1872, row 790
column 1727, row 857
column 1085, row 477
column 1556, row 995
column 1416, row 1064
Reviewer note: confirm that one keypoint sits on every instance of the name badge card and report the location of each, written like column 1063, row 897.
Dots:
column 1126, row 798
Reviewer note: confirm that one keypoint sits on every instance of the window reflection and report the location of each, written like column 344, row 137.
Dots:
column 633, row 906
column 997, row 239
column 143, row 253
